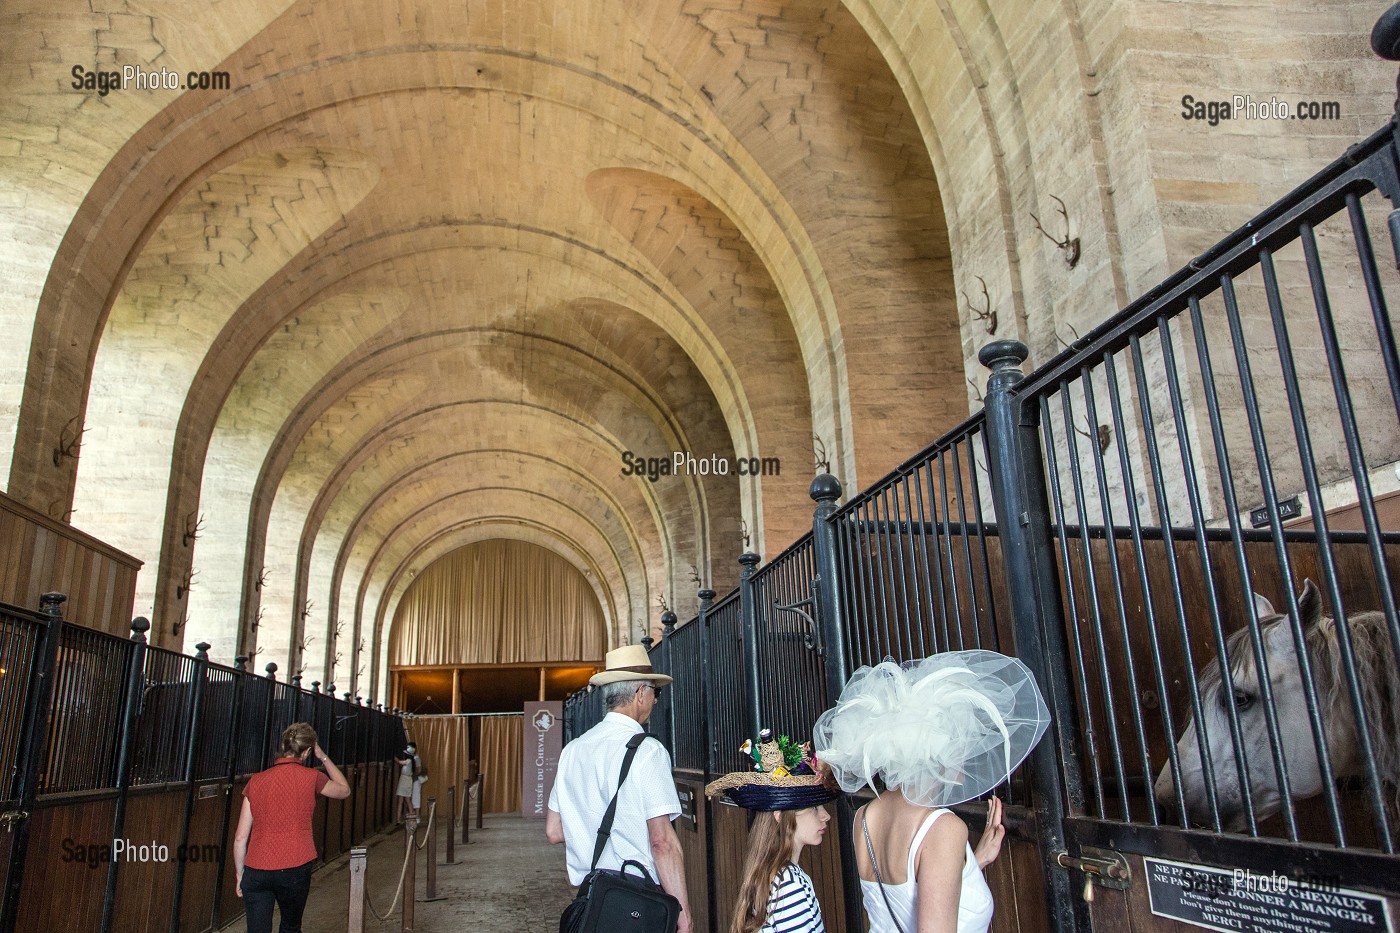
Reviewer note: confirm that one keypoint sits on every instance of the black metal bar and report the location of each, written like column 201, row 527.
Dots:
column 749, row 622
column 1366, row 502
column 271, row 669
column 707, row 738
column 31, row 757
column 1163, row 501
column 1227, row 482
column 131, row 707
column 1076, row 641
column 187, row 769
column 1116, row 578
column 980, row 530
column 1091, row 587
column 230, row 778
column 1021, row 504
column 954, row 622
column 826, row 594
column 1385, row 331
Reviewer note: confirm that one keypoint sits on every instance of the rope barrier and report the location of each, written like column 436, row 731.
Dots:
column 403, row 871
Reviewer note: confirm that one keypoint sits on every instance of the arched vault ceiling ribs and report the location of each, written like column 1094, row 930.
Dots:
column 62, row 307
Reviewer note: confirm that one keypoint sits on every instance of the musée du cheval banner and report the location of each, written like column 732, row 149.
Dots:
column 543, row 723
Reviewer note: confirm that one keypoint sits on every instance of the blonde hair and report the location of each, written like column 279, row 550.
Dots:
column 297, row 738
column 770, row 850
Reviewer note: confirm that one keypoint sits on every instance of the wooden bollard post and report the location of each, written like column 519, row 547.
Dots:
column 452, row 824
column 410, row 881
column 356, row 921
column 431, row 893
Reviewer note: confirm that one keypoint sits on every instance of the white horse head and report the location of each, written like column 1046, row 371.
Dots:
column 1376, row 670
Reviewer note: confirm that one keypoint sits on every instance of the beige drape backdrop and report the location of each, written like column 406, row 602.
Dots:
column 498, row 602
column 500, row 762
column 443, row 744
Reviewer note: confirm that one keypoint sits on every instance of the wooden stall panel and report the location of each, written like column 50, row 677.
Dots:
column 230, row 904
column 65, row 872
column 692, row 838
column 40, row 555
column 145, row 890
column 202, row 859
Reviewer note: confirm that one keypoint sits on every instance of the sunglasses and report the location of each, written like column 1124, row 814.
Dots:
column 656, row 691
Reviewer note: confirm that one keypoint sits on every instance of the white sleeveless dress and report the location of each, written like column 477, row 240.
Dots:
column 974, row 903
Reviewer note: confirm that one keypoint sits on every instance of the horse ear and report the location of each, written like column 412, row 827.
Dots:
column 1309, row 604
column 1263, row 608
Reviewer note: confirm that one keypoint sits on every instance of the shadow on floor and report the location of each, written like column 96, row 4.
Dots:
column 507, row 880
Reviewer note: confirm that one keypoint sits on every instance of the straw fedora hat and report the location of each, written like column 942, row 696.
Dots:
column 630, row 662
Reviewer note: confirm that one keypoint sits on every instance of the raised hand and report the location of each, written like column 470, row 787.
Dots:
column 989, row 846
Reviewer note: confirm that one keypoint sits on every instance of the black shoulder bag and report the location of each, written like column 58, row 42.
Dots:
column 613, row 900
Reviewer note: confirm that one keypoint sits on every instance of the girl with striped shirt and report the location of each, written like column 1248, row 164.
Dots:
column 785, row 796
column 777, row 895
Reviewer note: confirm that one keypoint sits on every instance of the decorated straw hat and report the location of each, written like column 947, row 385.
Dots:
column 630, row 662
column 785, row 777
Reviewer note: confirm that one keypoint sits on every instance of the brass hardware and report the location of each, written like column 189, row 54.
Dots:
column 10, row 817
column 1101, row 867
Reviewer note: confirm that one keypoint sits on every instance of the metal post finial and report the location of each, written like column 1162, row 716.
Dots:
column 271, row 669
column 201, row 651
column 51, row 604
column 240, row 663
column 668, row 623
column 825, row 488
column 139, row 627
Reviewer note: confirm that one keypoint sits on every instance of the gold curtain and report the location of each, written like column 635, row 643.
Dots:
column 498, row 602
column 443, row 745
column 500, row 762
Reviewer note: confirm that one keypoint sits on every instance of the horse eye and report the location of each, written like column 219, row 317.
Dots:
column 1243, row 700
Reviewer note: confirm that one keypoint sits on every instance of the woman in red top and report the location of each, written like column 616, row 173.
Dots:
column 273, row 851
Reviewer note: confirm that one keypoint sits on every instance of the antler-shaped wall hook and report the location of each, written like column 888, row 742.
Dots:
column 1060, row 340
column 339, row 628
column 177, row 627
column 1068, row 244
column 744, row 533
column 58, row 511
column 661, row 601
column 975, row 390
column 194, row 524
column 261, row 581
column 1104, row 436
column 306, row 609
column 695, row 576
column 70, row 441
column 986, row 313
column 257, row 619
column 186, row 583
column 823, row 462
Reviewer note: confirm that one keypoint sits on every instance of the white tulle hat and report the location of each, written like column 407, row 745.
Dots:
column 943, row 730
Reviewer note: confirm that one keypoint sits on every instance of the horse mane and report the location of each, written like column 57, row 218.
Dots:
column 1378, row 676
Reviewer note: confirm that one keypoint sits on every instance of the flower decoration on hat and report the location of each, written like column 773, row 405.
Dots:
column 785, row 776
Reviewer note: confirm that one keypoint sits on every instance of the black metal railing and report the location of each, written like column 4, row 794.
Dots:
column 83, row 712
column 1109, row 518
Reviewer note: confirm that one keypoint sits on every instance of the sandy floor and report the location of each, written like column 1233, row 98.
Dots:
column 507, row 879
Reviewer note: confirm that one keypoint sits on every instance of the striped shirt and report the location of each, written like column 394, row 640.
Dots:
column 792, row 904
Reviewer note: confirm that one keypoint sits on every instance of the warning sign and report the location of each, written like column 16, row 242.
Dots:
column 1237, row 899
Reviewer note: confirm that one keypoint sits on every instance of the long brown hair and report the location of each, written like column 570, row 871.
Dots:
column 770, row 851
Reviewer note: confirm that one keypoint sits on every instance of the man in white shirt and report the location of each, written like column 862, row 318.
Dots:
column 587, row 779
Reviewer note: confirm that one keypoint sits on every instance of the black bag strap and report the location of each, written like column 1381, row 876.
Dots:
column 605, row 829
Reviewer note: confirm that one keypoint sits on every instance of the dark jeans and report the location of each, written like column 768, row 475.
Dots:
column 288, row 887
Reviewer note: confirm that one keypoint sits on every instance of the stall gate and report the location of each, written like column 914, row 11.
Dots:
column 1187, row 524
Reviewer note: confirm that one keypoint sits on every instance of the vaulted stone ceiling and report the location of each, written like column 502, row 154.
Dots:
column 425, row 271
